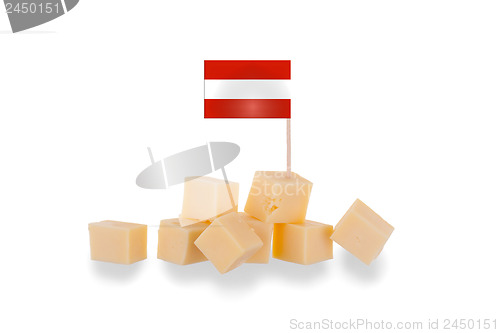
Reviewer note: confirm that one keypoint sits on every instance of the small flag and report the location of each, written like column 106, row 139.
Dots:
column 247, row 89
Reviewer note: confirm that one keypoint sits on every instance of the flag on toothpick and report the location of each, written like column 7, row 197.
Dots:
column 247, row 89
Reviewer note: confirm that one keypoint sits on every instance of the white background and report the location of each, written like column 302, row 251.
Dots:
column 394, row 102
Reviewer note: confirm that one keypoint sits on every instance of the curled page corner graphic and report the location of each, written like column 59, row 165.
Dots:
column 26, row 14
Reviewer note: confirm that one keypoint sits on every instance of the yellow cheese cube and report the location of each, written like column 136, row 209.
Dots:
column 362, row 232
column 303, row 243
column 275, row 198
column 206, row 198
column 184, row 222
column 265, row 233
column 118, row 242
column 228, row 242
column 176, row 243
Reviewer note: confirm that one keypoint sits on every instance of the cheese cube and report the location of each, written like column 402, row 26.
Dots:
column 228, row 242
column 184, row 222
column 265, row 233
column 275, row 198
column 303, row 243
column 176, row 243
column 206, row 198
column 118, row 242
column 362, row 232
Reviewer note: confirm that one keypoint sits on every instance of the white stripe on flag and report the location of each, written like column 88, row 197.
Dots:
column 247, row 89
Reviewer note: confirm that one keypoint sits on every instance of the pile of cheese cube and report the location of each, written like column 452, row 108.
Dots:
column 211, row 228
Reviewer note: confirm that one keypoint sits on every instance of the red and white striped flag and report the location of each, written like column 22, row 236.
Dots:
column 247, row 89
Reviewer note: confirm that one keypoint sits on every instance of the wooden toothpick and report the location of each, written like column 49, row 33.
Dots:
column 288, row 149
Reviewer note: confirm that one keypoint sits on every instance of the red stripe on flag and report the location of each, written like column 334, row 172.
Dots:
column 247, row 69
column 247, row 108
